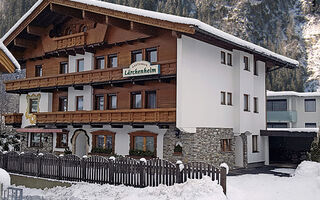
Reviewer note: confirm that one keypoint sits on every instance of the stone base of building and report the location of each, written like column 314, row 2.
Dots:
column 202, row 146
column 45, row 147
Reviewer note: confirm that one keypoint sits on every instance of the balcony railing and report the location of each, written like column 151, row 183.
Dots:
column 163, row 115
column 79, row 78
column 13, row 119
column 282, row 116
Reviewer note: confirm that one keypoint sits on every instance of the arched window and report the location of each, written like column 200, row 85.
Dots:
column 83, row 28
column 68, row 31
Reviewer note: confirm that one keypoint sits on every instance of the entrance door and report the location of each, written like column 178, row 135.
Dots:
column 80, row 144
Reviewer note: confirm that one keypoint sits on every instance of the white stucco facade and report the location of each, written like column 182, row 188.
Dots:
column 200, row 80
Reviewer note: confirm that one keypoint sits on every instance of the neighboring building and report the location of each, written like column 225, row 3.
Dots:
column 104, row 78
column 8, row 64
column 292, row 119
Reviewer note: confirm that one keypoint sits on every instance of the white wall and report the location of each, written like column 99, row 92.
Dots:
column 200, row 79
column 45, row 105
column 88, row 62
column 122, row 137
column 87, row 93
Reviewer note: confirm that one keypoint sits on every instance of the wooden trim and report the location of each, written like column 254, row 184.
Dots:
column 6, row 65
column 143, row 134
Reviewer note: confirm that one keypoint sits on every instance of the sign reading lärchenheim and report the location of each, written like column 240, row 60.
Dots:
column 141, row 68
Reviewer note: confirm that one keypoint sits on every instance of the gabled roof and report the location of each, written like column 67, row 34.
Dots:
column 183, row 25
column 8, row 64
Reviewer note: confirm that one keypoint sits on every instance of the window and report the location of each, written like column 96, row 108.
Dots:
column 63, row 67
column 83, row 28
column 112, row 61
column 100, row 62
column 277, row 125
column 255, row 69
column 103, row 140
column 143, row 141
column 310, row 105
column 99, row 102
column 80, row 65
column 63, row 104
column 33, row 106
column 223, row 57
column 229, row 99
column 112, row 101
column 229, row 59
column 152, row 55
column 226, row 145
column 256, row 105
column 136, row 56
column 62, row 140
column 136, row 98
column 246, row 63
column 38, row 70
column 223, row 98
column 255, row 144
column 151, row 99
column 277, row 105
column 80, row 103
column 246, row 102
column 311, row 125
column 68, row 31
column 36, row 140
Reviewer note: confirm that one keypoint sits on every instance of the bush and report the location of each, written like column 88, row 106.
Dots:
column 315, row 151
column 101, row 150
column 141, row 153
column 178, row 149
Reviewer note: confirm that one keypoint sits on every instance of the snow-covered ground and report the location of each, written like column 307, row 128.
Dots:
column 304, row 184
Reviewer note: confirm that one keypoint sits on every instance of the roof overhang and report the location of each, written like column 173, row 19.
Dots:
column 182, row 25
column 285, row 133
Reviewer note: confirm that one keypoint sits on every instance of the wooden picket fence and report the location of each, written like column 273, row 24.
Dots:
column 96, row 169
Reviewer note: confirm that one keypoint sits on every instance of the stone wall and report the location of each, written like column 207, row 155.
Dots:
column 204, row 146
column 47, row 144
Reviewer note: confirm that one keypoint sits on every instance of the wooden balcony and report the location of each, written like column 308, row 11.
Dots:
column 79, row 78
column 147, row 116
column 13, row 119
column 78, row 39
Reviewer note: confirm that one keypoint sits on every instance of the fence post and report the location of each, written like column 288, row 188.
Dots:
column 60, row 167
column 84, row 168
column 39, row 164
column 223, row 179
column 111, row 169
column 142, row 172
column 5, row 160
column 179, row 171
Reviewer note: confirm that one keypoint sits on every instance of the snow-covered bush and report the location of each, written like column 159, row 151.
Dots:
column 9, row 141
column 5, row 178
column 315, row 151
column 308, row 169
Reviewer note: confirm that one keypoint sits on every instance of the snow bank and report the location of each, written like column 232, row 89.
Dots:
column 204, row 189
column 292, row 93
column 5, row 178
column 308, row 169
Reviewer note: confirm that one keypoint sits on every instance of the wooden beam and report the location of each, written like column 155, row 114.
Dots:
column 63, row 10
column 142, row 28
column 19, row 42
column 35, row 30
column 120, row 23
column 101, row 19
column 176, row 34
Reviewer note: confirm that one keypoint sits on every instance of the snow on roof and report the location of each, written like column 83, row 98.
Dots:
column 292, row 93
column 308, row 130
column 10, row 56
column 171, row 18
